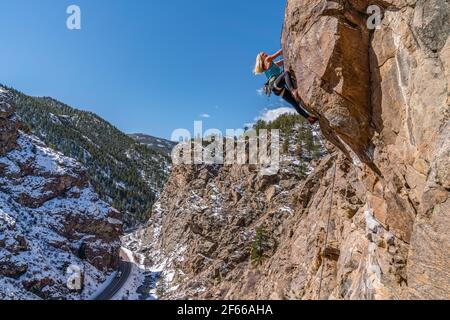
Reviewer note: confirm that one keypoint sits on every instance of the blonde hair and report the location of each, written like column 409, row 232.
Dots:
column 259, row 66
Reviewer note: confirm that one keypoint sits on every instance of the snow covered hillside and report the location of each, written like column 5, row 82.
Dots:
column 51, row 221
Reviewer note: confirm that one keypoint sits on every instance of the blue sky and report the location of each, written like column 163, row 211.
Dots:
column 146, row 66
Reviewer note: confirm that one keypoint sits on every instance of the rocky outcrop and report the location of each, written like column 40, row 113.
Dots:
column 50, row 219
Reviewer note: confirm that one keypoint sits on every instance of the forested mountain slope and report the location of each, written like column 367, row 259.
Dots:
column 50, row 219
column 126, row 174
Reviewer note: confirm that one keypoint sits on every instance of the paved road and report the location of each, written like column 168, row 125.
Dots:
column 117, row 283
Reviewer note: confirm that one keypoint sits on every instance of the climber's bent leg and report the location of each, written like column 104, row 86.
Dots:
column 287, row 96
column 285, row 80
column 280, row 83
column 288, row 80
column 284, row 88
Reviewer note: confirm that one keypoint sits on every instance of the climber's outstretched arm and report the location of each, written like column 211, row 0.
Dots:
column 274, row 56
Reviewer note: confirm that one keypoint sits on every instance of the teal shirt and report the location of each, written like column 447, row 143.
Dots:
column 273, row 71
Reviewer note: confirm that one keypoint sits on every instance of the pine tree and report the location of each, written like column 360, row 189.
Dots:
column 259, row 246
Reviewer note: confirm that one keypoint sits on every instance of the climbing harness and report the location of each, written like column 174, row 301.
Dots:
column 269, row 86
column 328, row 225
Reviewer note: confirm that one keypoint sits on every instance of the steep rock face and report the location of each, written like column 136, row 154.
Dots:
column 50, row 219
column 382, row 96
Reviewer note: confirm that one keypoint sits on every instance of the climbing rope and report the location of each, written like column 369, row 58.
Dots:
column 328, row 226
